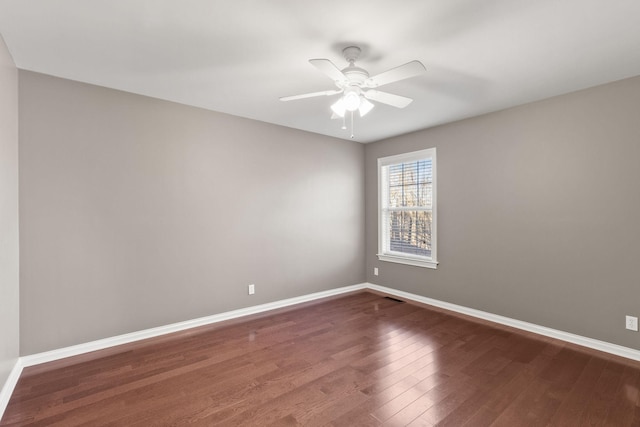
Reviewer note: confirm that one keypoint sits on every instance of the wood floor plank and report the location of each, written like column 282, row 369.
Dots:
column 356, row 360
column 625, row 399
column 604, row 396
column 572, row 407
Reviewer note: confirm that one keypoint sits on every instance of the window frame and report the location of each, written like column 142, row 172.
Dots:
column 399, row 257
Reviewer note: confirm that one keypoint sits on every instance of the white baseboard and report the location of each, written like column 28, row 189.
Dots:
column 604, row 346
column 10, row 385
column 34, row 359
column 75, row 350
column 49, row 356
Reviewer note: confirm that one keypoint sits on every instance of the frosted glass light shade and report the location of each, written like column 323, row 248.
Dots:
column 351, row 101
column 338, row 108
column 365, row 106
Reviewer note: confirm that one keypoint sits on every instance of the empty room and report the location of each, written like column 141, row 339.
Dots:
column 336, row 213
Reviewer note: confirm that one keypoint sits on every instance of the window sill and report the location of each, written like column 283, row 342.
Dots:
column 417, row 262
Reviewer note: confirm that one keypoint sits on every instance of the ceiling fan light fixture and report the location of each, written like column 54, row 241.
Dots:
column 339, row 107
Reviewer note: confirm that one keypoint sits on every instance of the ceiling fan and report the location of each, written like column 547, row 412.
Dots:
column 357, row 87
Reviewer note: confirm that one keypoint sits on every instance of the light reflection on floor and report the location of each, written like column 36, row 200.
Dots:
column 407, row 373
column 632, row 394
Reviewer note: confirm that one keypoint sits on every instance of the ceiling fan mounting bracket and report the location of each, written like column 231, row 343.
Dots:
column 351, row 53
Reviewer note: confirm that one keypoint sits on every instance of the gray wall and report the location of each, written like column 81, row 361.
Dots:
column 539, row 212
column 9, row 286
column 137, row 212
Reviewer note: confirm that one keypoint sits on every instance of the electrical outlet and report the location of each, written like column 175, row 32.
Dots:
column 252, row 289
column 632, row 323
column 375, row 271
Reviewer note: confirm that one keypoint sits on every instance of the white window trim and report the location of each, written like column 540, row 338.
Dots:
column 399, row 257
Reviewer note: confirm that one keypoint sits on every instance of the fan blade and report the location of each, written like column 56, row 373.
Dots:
column 329, row 69
column 410, row 69
column 310, row 95
column 388, row 98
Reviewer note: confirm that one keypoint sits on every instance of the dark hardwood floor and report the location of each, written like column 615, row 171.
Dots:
column 357, row 360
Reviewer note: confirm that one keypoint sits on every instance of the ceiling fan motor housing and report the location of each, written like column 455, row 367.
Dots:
column 355, row 75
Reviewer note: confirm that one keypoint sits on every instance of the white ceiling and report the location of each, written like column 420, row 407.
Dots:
column 240, row 56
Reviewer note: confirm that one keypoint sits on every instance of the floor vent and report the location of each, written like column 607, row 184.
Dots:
column 394, row 299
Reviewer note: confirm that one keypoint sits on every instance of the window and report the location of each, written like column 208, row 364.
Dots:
column 407, row 208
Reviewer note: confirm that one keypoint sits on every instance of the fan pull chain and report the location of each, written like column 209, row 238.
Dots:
column 344, row 122
column 352, row 136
